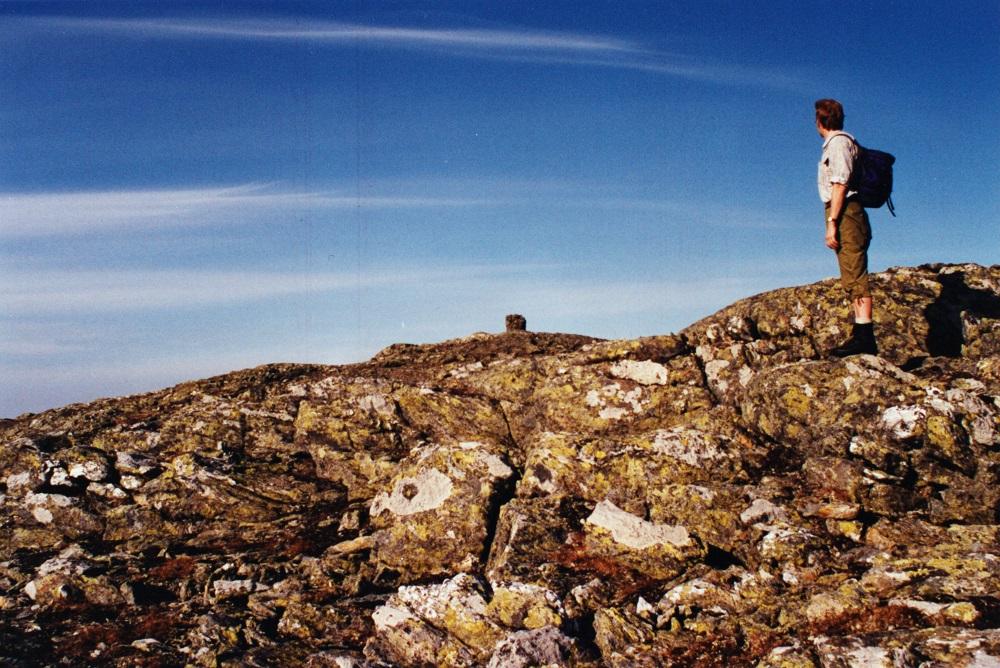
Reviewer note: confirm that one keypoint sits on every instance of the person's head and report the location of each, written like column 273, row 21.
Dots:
column 829, row 114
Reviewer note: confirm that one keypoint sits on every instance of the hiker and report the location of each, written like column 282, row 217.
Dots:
column 848, row 232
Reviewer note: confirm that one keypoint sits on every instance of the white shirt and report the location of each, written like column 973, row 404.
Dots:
column 836, row 164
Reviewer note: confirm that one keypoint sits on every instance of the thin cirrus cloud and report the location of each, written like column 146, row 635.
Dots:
column 513, row 45
column 32, row 347
column 71, row 291
column 69, row 213
column 62, row 291
column 52, row 214
column 348, row 33
column 55, row 292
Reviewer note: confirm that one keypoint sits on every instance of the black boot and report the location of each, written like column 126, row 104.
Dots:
column 862, row 342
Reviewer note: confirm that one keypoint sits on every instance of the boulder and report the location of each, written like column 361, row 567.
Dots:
column 434, row 516
column 439, row 625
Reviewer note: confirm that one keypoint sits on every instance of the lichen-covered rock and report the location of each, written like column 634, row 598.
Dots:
column 623, row 639
column 820, row 406
column 600, row 387
column 788, row 656
column 432, row 519
column 962, row 648
column 525, row 606
column 853, row 652
column 545, row 646
column 713, row 513
column 211, row 639
column 440, row 625
column 529, row 545
column 919, row 314
column 905, row 444
column 63, row 581
column 660, row 551
column 708, row 449
column 358, row 432
column 693, row 637
column 847, row 599
column 942, row 646
column 726, row 496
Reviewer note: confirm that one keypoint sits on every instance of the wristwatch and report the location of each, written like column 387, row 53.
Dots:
column 831, row 219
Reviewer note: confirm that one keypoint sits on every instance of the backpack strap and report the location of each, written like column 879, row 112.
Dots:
column 844, row 134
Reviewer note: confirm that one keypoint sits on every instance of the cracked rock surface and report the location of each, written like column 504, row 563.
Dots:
column 723, row 496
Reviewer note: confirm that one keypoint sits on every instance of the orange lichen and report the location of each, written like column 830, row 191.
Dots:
column 172, row 569
column 881, row 618
column 574, row 555
column 89, row 638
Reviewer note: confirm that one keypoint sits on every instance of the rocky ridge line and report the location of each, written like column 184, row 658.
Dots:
column 722, row 496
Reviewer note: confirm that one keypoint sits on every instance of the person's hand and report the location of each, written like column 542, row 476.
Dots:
column 831, row 236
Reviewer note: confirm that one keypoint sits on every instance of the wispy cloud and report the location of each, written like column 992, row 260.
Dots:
column 20, row 347
column 513, row 45
column 670, row 64
column 58, row 291
column 347, row 33
column 48, row 213
column 44, row 338
column 338, row 32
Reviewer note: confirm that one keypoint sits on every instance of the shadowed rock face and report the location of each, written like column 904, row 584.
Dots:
column 723, row 496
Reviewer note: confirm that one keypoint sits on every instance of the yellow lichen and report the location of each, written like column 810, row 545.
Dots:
column 963, row 612
column 848, row 528
column 797, row 403
column 476, row 632
column 959, row 566
column 941, row 435
column 526, row 609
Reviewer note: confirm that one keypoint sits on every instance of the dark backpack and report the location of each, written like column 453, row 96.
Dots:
column 872, row 177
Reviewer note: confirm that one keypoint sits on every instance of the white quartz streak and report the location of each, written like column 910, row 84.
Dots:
column 645, row 372
column 426, row 491
column 636, row 532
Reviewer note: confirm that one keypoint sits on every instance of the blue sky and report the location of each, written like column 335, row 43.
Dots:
column 192, row 188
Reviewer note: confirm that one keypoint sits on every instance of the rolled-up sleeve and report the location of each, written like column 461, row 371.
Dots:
column 840, row 159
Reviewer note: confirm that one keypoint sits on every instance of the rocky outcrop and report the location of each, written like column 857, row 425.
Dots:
column 722, row 496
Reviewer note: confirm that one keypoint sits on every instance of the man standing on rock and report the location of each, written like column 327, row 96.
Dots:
column 847, row 230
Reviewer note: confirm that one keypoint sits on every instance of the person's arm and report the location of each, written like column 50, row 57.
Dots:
column 838, row 193
column 841, row 163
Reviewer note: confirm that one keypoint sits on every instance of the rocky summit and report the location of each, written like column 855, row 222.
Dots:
column 724, row 496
